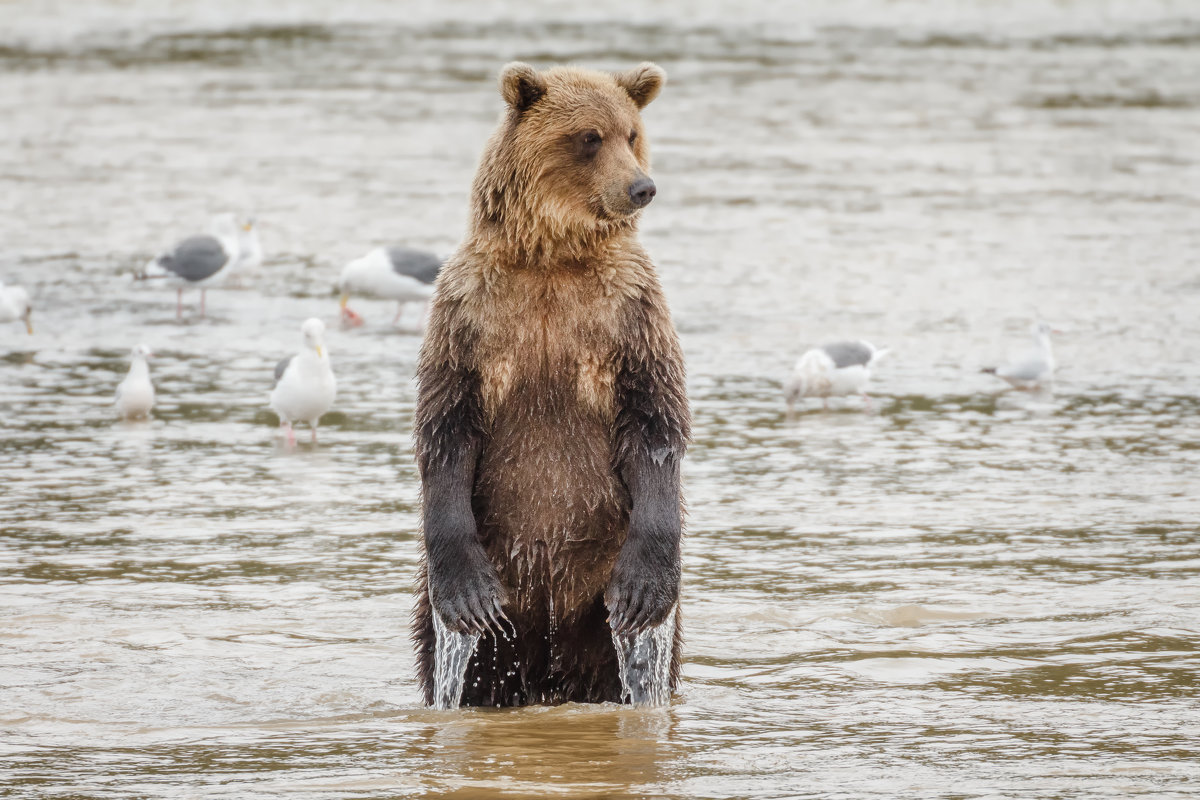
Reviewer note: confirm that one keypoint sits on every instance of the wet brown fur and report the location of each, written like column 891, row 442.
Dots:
column 550, row 345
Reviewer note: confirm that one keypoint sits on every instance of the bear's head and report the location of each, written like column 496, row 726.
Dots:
column 570, row 157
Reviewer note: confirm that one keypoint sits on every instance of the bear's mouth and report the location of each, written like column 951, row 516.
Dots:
column 605, row 213
column 599, row 211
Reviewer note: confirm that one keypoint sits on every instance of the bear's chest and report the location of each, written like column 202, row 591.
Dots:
column 549, row 344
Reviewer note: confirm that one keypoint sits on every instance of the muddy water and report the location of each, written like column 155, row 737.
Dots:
column 958, row 594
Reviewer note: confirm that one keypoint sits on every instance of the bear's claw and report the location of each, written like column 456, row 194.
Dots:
column 638, row 597
column 634, row 608
column 475, row 614
column 468, row 600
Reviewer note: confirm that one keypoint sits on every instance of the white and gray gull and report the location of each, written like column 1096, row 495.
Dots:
column 393, row 273
column 833, row 370
column 304, row 384
column 15, row 305
column 198, row 261
column 135, row 394
column 1034, row 370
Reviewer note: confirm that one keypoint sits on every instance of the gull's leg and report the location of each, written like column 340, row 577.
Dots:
column 179, row 304
column 291, row 434
column 314, row 432
column 202, row 293
column 399, row 312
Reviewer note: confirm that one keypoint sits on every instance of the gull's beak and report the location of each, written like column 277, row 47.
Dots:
column 29, row 323
column 320, row 351
column 345, row 299
column 248, row 226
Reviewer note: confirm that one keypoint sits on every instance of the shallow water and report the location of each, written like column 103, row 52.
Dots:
column 958, row 594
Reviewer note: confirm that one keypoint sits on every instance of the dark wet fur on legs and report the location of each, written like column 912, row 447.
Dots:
column 466, row 588
column 650, row 440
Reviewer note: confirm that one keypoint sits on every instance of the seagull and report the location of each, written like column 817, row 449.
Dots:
column 197, row 260
column 395, row 273
column 833, row 370
column 304, row 383
column 135, row 394
column 15, row 305
column 1034, row 370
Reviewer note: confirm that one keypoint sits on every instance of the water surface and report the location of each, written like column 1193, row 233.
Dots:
column 961, row 593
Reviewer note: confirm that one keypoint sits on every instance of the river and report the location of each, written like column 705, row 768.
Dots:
column 959, row 592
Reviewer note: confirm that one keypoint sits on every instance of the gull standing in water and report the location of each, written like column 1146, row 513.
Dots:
column 394, row 273
column 15, row 305
column 833, row 370
column 135, row 394
column 1034, row 370
column 304, row 384
column 197, row 260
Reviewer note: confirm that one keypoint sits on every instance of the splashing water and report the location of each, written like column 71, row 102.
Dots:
column 451, row 652
column 644, row 662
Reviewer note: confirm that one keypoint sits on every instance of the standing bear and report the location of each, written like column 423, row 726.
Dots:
column 552, row 413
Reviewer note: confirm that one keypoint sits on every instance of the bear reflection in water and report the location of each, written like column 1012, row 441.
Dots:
column 552, row 415
column 573, row 751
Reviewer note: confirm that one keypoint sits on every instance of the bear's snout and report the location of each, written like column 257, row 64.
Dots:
column 642, row 191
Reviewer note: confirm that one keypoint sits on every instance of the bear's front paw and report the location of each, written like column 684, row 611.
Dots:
column 640, row 596
column 468, row 596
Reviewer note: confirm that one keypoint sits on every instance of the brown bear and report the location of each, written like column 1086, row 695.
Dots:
column 552, row 413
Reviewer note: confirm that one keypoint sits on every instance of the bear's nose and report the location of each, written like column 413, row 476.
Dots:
column 641, row 192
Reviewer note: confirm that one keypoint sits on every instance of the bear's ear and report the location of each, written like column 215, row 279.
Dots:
column 521, row 85
column 643, row 82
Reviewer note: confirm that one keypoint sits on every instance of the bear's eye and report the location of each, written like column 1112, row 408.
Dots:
column 632, row 137
column 589, row 143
